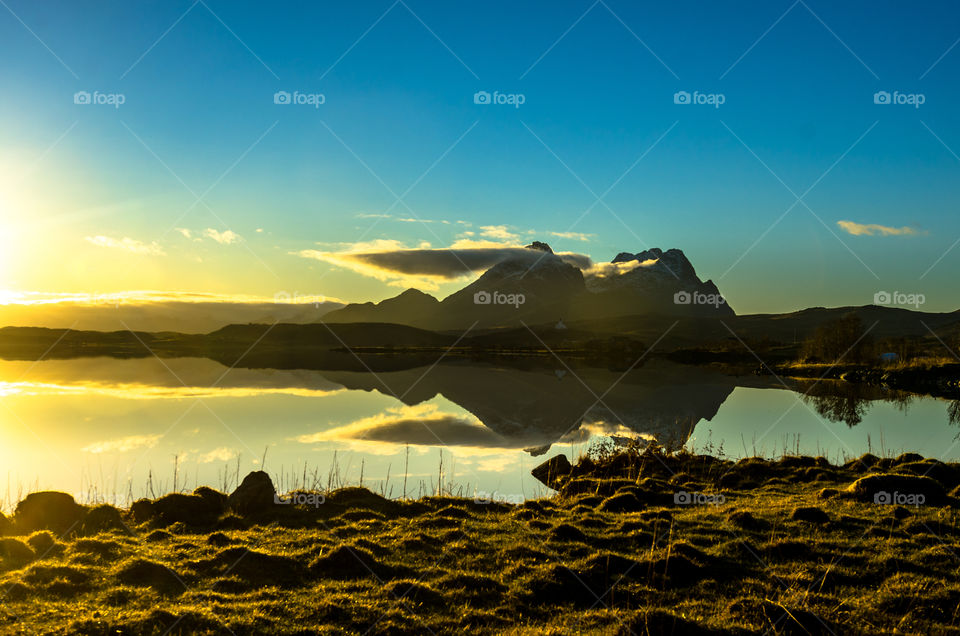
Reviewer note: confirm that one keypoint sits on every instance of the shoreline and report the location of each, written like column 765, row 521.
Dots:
column 939, row 380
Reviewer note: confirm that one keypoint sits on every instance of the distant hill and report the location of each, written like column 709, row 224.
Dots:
column 793, row 327
column 412, row 307
column 335, row 346
column 158, row 315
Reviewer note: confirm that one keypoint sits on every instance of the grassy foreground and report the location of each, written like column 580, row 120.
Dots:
column 634, row 542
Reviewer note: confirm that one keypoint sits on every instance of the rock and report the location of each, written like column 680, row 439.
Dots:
column 811, row 514
column 826, row 493
column 551, row 472
column 255, row 495
column 215, row 498
column 56, row 511
column 6, row 527
column 191, row 510
column 898, row 489
column 103, row 518
column 356, row 498
column 143, row 510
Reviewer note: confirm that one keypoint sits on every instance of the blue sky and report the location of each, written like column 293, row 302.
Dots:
column 93, row 194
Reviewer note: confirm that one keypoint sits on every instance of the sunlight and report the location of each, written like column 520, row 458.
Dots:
column 8, row 242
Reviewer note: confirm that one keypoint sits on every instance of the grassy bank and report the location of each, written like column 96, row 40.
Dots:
column 634, row 542
column 933, row 376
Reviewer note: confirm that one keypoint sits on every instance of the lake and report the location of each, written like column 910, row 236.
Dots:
column 114, row 430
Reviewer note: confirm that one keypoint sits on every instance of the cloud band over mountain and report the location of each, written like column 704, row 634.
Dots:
column 390, row 261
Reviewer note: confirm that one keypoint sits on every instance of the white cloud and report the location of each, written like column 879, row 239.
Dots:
column 123, row 444
column 224, row 238
column 221, row 454
column 497, row 232
column 872, row 229
column 128, row 244
column 576, row 236
column 186, row 233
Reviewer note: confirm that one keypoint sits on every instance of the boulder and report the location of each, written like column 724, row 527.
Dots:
column 255, row 495
column 143, row 510
column 6, row 526
column 191, row 510
column 356, row 498
column 898, row 489
column 215, row 498
column 552, row 472
column 103, row 519
column 56, row 511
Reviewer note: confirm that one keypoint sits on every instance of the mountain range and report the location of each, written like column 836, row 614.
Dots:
column 541, row 287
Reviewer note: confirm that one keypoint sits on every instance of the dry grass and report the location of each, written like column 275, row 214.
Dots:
column 613, row 553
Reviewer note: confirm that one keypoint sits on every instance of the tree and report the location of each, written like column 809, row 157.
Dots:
column 844, row 340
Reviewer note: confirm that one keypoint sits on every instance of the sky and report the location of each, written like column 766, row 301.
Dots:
column 800, row 153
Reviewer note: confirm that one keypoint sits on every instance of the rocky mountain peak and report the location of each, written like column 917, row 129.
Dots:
column 538, row 245
column 672, row 263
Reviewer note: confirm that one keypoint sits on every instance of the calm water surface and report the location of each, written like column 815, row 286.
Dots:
column 114, row 429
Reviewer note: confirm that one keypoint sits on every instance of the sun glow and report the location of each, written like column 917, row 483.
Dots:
column 8, row 240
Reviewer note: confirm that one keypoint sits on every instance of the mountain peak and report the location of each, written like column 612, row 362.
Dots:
column 538, row 245
column 672, row 262
column 412, row 292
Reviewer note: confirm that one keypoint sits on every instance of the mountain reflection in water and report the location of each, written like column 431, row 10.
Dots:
column 526, row 405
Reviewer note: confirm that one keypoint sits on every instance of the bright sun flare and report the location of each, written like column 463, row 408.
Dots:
column 8, row 243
